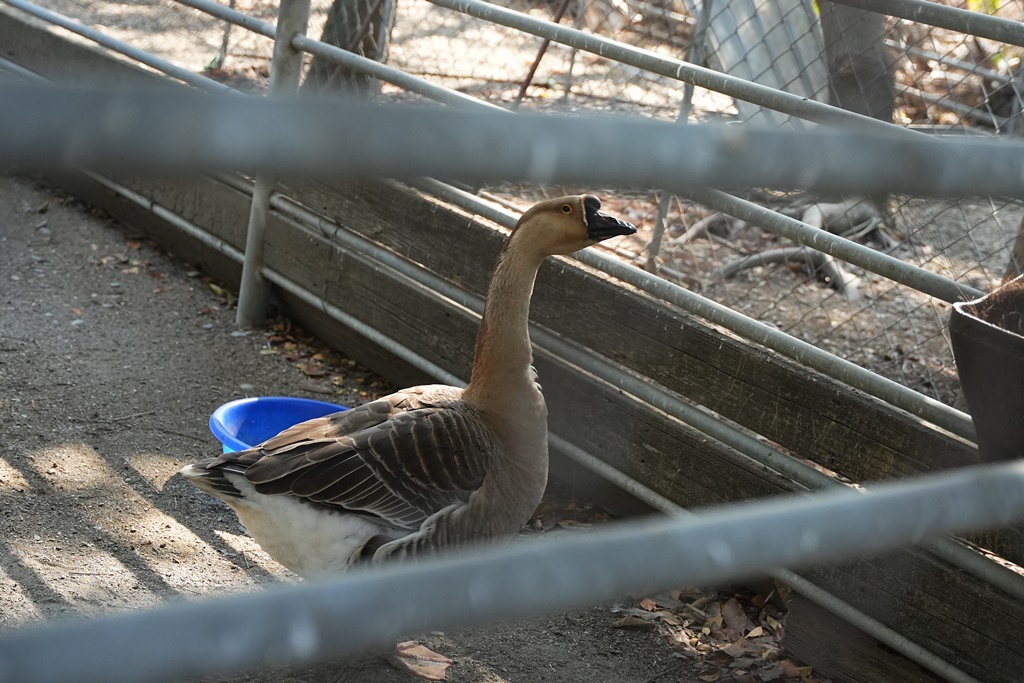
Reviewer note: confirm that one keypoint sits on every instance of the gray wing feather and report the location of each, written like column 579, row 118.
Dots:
column 401, row 458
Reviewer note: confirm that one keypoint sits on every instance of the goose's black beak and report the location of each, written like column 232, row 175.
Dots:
column 601, row 226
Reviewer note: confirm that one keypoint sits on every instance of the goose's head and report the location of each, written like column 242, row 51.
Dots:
column 568, row 224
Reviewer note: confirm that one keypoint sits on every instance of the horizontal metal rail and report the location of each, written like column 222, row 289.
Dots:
column 874, row 628
column 676, row 69
column 11, row 69
column 141, row 56
column 821, row 240
column 944, row 16
column 399, row 141
column 977, row 112
column 392, row 75
column 345, row 617
column 376, row 69
column 232, row 16
column 42, row 127
column 951, row 62
column 869, row 625
column 896, row 394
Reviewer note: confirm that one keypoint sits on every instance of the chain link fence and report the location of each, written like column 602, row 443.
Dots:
column 917, row 76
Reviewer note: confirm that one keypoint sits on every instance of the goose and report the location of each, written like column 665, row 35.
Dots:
column 427, row 469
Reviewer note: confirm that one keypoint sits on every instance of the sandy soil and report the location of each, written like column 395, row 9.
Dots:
column 112, row 357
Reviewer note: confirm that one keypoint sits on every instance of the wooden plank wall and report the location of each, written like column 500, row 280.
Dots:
column 960, row 618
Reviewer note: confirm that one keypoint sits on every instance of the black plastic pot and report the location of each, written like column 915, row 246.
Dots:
column 988, row 344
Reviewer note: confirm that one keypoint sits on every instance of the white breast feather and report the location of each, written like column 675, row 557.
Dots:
column 304, row 538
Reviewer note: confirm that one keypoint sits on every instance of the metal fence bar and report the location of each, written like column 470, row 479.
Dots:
column 344, row 617
column 163, row 213
column 679, row 70
column 821, row 240
column 694, row 55
column 285, row 74
column 944, row 16
column 392, row 75
column 17, row 71
column 380, row 71
column 141, row 56
column 232, row 16
column 807, row 354
column 840, row 608
column 43, row 127
column 874, row 628
column 950, row 62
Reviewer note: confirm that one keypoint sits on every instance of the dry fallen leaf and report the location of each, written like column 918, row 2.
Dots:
column 735, row 617
column 573, row 524
column 668, row 617
column 791, row 670
column 704, row 602
column 756, row 632
column 736, row 649
column 771, row 672
column 649, row 604
column 629, row 621
column 419, row 661
column 313, row 370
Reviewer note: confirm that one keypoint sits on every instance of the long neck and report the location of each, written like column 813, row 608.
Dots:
column 503, row 356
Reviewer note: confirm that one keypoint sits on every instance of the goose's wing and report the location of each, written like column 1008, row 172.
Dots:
column 400, row 458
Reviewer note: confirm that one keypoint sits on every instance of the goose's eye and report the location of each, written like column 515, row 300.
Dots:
column 566, row 208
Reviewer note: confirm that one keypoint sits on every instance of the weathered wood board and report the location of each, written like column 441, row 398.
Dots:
column 841, row 651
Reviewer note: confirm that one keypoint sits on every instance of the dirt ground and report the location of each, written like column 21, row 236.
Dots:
column 112, row 357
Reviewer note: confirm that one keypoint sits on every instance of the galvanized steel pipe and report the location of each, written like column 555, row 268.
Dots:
column 346, row 616
column 285, row 75
column 141, row 56
column 103, row 128
column 374, row 68
column 679, row 70
column 821, row 240
column 944, row 16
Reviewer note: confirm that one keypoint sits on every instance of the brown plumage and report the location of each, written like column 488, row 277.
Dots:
column 426, row 468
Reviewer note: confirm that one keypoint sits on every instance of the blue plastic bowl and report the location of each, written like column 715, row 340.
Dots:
column 247, row 422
